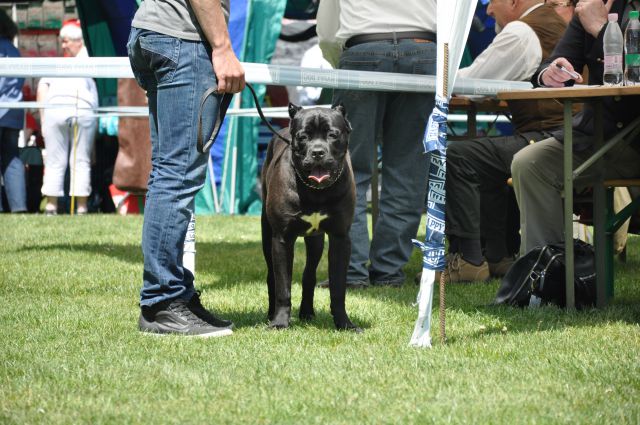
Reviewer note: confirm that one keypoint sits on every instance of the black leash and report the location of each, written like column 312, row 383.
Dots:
column 222, row 110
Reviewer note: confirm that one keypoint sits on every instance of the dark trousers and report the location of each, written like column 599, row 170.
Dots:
column 479, row 201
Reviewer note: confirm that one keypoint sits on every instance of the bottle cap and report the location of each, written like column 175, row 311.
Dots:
column 612, row 17
column 634, row 14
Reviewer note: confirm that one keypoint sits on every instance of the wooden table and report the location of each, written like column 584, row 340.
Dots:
column 568, row 95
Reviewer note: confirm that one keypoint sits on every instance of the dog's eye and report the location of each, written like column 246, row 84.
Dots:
column 333, row 135
column 301, row 137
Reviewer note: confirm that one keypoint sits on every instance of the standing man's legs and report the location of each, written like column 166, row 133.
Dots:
column 404, row 165
column 404, row 175
column 175, row 74
column 364, row 112
column 182, row 72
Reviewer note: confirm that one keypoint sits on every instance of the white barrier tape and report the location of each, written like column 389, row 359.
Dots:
column 143, row 111
column 94, row 67
column 36, row 105
column 118, row 67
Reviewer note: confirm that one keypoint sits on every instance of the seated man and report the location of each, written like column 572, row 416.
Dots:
column 477, row 170
column 538, row 169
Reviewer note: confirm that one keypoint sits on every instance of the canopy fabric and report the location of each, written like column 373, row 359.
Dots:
column 106, row 25
column 240, row 195
column 206, row 202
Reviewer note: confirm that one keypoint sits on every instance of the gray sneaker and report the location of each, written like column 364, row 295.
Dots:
column 196, row 307
column 176, row 317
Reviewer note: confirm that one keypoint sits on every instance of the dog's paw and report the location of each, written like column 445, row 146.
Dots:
column 348, row 326
column 307, row 314
column 279, row 321
column 278, row 325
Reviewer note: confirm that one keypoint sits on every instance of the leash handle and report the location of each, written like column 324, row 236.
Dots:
column 222, row 110
column 224, row 104
column 262, row 117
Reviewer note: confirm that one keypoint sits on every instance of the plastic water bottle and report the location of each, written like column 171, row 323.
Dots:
column 632, row 50
column 613, row 46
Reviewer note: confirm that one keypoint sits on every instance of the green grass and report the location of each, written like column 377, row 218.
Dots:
column 70, row 351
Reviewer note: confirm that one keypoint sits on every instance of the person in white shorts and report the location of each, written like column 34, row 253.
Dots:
column 68, row 132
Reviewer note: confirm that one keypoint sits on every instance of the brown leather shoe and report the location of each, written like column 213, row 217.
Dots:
column 501, row 268
column 458, row 270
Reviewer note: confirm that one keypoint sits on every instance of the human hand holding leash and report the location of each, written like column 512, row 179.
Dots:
column 226, row 66
column 228, row 70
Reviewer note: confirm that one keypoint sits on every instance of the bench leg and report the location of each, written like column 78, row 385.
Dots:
column 609, row 254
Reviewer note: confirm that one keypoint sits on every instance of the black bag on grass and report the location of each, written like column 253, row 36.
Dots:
column 538, row 277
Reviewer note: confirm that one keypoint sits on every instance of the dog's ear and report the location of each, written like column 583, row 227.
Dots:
column 293, row 110
column 347, row 124
column 340, row 108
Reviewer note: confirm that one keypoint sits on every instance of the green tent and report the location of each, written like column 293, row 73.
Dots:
column 263, row 27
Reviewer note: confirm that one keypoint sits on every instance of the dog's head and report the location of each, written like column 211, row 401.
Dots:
column 319, row 142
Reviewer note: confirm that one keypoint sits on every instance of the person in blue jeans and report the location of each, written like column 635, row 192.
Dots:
column 384, row 36
column 11, row 122
column 178, row 49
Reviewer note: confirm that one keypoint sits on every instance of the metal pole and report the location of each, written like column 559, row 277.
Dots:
column 568, row 202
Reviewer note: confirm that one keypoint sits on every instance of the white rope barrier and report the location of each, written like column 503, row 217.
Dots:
column 119, row 67
column 143, row 111
column 256, row 73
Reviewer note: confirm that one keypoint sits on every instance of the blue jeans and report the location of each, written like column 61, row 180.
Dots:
column 395, row 121
column 175, row 73
column 12, row 169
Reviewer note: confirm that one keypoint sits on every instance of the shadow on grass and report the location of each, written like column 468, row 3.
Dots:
column 242, row 263
column 323, row 321
column 233, row 262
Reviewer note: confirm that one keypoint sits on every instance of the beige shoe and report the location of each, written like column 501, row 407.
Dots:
column 501, row 268
column 458, row 270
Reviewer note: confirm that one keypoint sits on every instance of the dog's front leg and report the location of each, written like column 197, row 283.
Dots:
column 339, row 252
column 266, row 251
column 314, row 245
column 282, row 257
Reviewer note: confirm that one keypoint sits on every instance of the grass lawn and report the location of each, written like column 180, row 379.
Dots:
column 70, row 351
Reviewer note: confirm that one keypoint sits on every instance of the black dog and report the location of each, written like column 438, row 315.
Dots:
column 308, row 190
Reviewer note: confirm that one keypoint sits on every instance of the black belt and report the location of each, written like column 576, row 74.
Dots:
column 390, row 36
